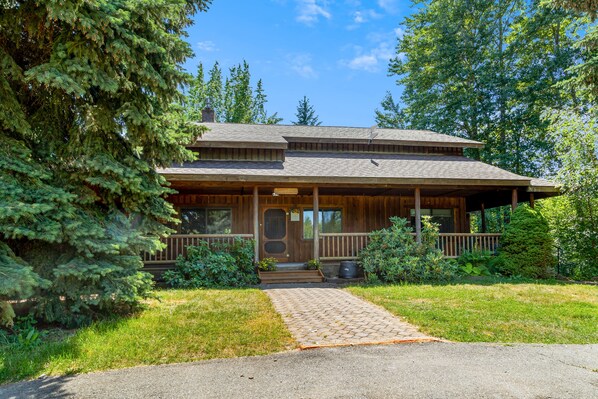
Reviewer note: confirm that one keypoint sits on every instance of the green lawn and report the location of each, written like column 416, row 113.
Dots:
column 183, row 326
column 494, row 311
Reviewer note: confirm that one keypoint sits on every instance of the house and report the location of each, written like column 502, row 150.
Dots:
column 304, row 192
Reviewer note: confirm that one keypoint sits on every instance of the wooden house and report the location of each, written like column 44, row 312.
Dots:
column 305, row 192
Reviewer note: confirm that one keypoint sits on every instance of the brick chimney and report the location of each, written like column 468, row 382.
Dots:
column 208, row 114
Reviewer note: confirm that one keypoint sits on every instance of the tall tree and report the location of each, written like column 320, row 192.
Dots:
column 233, row 99
column 86, row 117
column 574, row 216
column 306, row 114
column 391, row 115
column 485, row 70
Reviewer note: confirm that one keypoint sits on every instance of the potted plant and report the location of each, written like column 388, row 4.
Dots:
column 314, row 264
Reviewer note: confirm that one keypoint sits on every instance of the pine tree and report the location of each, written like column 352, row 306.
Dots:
column 233, row 101
column 88, row 94
column 306, row 115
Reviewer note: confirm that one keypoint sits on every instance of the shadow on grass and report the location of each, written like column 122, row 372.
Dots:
column 18, row 362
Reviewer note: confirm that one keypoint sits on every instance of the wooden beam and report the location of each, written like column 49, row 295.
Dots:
column 418, row 215
column 256, row 223
column 483, row 216
column 532, row 200
column 316, row 222
column 514, row 199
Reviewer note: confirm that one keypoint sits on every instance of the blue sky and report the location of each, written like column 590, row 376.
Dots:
column 334, row 52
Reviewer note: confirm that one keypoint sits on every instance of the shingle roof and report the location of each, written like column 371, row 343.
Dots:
column 277, row 136
column 356, row 168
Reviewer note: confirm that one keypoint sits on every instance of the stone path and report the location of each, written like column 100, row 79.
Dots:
column 320, row 317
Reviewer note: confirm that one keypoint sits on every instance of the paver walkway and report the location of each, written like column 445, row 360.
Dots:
column 332, row 317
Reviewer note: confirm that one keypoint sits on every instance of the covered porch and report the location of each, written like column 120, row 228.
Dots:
column 331, row 223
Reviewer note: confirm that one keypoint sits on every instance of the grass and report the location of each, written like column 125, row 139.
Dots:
column 183, row 326
column 494, row 311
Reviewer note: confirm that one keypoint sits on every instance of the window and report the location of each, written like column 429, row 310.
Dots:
column 331, row 221
column 444, row 217
column 206, row 221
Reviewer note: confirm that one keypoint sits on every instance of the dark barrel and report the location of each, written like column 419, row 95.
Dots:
column 348, row 269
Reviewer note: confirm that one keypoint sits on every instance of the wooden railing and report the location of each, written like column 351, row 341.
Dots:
column 454, row 244
column 346, row 246
column 341, row 246
column 177, row 244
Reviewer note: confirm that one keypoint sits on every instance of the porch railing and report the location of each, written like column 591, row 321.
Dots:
column 177, row 244
column 346, row 246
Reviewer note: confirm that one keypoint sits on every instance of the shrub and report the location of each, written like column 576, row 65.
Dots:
column 267, row 265
column 223, row 265
column 526, row 246
column 393, row 255
column 314, row 264
column 475, row 263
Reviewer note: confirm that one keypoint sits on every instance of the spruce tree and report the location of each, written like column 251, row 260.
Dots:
column 391, row 115
column 87, row 114
column 306, row 115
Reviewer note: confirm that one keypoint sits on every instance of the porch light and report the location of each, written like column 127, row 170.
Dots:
column 285, row 191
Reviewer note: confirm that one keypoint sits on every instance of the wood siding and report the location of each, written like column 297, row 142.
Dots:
column 373, row 148
column 360, row 213
column 240, row 154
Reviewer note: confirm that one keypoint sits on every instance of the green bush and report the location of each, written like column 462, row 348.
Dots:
column 475, row 263
column 314, row 264
column 393, row 255
column 526, row 246
column 222, row 265
column 267, row 265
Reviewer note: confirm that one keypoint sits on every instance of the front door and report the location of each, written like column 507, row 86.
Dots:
column 275, row 234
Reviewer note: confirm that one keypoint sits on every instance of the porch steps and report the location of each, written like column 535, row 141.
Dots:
column 291, row 276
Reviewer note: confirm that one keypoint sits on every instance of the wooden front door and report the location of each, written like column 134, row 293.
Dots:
column 275, row 234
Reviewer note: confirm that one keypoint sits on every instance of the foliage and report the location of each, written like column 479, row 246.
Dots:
column 22, row 333
column 490, row 309
column 391, row 115
column 86, row 116
column 17, row 281
column 527, row 248
column 306, row 114
column 485, row 70
column 475, row 263
column 267, row 265
column 178, row 326
column 574, row 218
column 217, row 266
column 393, row 255
column 314, row 264
column 232, row 98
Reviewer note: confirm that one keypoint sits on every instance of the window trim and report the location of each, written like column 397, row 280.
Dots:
column 453, row 215
column 206, row 208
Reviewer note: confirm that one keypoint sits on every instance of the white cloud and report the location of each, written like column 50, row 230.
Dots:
column 206, row 45
column 389, row 6
column 301, row 65
column 309, row 11
column 377, row 57
column 362, row 16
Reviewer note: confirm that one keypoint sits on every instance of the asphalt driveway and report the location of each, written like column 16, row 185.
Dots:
column 421, row 370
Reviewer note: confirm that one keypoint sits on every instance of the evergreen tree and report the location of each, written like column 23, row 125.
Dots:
column 86, row 117
column 233, row 101
column 391, row 115
column 306, row 115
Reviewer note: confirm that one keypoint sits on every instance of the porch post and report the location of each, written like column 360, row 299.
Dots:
column 418, row 216
column 256, row 224
column 532, row 201
column 483, row 216
column 316, row 222
column 514, row 199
